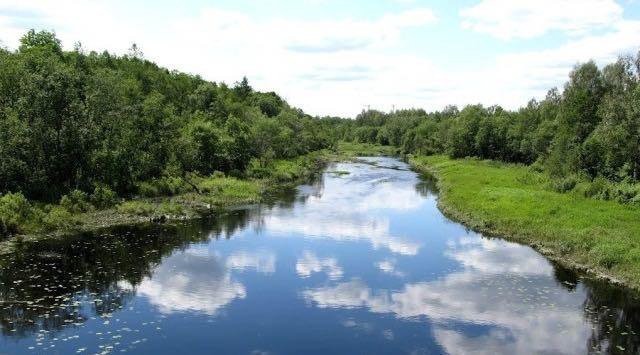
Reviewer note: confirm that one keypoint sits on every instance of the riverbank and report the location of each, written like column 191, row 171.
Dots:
column 514, row 202
column 207, row 196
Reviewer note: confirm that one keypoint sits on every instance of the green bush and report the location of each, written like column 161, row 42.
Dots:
column 538, row 165
column 144, row 208
column 103, row 197
column 170, row 208
column 282, row 170
column 625, row 192
column 75, row 202
column 257, row 170
column 236, row 173
column 147, row 189
column 564, row 184
column 58, row 217
column 229, row 190
column 531, row 177
column 621, row 192
column 288, row 170
column 164, row 186
column 15, row 210
column 173, row 186
column 597, row 188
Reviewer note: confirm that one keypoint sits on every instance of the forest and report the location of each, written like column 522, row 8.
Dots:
column 81, row 130
column 75, row 120
column 587, row 132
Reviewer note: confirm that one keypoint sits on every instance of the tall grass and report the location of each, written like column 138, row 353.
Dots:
column 517, row 202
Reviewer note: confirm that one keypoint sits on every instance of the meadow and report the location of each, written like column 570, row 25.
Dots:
column 516, row 202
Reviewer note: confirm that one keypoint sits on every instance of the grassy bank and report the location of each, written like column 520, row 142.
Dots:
column 515, row 202
column 164, row 199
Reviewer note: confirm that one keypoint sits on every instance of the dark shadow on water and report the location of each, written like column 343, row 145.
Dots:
column 615, row 316
column 565, row 277
column 46, row 285
column 427, row 186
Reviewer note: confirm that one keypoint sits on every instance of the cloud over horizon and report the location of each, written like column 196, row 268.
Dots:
column 399, row 53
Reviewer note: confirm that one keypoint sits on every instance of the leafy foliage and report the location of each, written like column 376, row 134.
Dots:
column 95, row 122
column 76, row 201
column 15, row 210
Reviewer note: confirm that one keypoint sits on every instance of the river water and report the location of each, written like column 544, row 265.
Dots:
column 360, row 261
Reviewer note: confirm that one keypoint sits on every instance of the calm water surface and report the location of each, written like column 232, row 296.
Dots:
column 355, row 263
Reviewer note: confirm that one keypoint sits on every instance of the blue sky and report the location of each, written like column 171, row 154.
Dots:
column 334, row 57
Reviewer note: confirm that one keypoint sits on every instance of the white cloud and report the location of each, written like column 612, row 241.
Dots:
column 517, row 77
column 344, row 35
column 387, row 196
column 97, row 24
column 264, row 262
column 309, row 263
column 495, row 256
column 527, row 19
column 388, row 266
column 341, row 228
column 309, row 62
column 194, row 281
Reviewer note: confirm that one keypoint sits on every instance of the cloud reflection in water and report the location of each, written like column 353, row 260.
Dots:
column 502, row 287
column 198, row 280
column 353, row 209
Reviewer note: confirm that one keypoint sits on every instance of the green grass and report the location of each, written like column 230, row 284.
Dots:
column 290, row 170
column 515, row 202
column 136, row 208
column 226, row 191
column 150, row 209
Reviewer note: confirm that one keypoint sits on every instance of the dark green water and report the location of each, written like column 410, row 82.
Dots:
column 357, row 263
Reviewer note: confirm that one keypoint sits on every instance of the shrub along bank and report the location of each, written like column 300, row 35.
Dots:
column 158, row 199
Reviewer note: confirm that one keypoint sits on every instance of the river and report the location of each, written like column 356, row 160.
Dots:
column 360, row 261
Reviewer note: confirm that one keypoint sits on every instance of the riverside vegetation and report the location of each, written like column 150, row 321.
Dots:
column 80, row 132
column 589, row 132
column 519, row 203
column 159, row 200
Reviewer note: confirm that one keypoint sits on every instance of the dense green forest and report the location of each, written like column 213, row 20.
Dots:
column 588, row 131
column 78, row 126
column 71, row 120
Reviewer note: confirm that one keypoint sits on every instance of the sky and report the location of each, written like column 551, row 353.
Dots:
column 338, row 57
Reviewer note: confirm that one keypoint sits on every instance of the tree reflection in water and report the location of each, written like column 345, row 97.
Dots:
column 55, row 284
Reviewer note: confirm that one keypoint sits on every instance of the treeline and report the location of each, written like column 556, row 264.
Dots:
column 590, row 129
column 71, row 120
